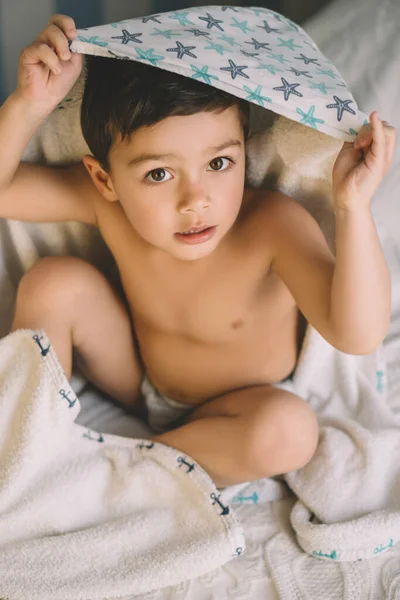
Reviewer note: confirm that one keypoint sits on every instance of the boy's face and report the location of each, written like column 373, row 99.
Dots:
column 183, row 172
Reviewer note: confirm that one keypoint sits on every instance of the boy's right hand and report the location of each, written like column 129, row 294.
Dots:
column 47, row 69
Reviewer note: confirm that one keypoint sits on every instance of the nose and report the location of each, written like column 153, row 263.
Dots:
column 194, row 198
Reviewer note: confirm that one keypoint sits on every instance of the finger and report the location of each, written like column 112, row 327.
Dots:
column 364, row 136
column 378, row 146
column 390, row 138
column 65, row 23
column 41, row 53
column 53, row 36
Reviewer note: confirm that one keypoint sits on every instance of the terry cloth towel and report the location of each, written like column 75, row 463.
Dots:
column 348, row 506
column 254, row 53
column 86, row 515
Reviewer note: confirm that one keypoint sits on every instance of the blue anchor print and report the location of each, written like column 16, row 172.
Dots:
column 144, row 445
column 238, row 552
column 182, row 461
column 64, row 395
column 381, row 548
column 332, row 555
column 379, row 381
column 91, row 435
column 242, row 499
column 43, row 351
column 225, row 509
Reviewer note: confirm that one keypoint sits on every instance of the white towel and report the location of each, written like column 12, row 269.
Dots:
column 85, row 515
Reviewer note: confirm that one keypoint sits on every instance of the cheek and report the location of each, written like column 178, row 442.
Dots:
column 146, row 216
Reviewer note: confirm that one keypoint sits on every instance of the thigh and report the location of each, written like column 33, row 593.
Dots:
column 240, row 402
column 69, row 292
column 263, row 408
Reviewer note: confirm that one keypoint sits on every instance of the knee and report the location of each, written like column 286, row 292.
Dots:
column 55, row 277
column 284, row 434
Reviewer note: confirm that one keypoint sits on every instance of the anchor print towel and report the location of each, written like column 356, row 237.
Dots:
column 86, row 515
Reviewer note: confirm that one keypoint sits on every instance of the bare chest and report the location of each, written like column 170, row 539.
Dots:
column 218, row 301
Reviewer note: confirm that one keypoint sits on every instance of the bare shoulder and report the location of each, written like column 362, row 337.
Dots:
column 280, row 215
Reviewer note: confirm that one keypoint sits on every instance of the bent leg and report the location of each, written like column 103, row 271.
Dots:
column 248, row 434
column 85, row 320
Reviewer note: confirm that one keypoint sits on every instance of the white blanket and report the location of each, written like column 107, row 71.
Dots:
column 86, row 515
column 98, row 516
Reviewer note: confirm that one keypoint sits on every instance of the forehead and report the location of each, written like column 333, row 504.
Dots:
column 180, row 134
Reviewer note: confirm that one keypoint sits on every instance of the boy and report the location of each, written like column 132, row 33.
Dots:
column 215, row 275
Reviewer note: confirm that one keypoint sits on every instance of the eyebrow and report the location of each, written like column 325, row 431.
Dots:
column 145, row 157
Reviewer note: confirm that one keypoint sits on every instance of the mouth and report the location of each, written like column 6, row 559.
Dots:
column 196, row 235
column 197, row 229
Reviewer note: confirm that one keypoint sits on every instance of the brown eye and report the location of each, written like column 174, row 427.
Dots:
column 216, row 164
column 222, row 163
column 157, row 174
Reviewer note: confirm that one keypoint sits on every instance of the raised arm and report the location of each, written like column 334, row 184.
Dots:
column 347, row 299
column 47, row 70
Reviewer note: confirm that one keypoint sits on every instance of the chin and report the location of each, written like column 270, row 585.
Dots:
column 195, row 252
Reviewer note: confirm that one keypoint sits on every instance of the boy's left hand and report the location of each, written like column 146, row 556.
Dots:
column 360, row 166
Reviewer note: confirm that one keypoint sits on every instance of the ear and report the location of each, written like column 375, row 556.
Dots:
column 100, row 178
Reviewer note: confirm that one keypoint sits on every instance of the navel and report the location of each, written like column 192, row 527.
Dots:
column 236, row 324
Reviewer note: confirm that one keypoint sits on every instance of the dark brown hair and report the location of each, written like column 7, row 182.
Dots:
column 122, row 95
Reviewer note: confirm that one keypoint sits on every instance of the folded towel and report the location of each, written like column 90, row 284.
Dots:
column 86, row 515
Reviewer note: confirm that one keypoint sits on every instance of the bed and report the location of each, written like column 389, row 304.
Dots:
column 361, row 39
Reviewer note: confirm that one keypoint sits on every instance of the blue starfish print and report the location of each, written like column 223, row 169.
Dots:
column 165, row 32
column 182, row 18
column 224, row 8
column 288, row 88
column 242, row 25
column 311, row 44
column 288, row 44
column 119, row 56
column 218, row 47
column 258, row 11
column 211, row 22
column 298, row 73
column 258, row 45
column 353, row 131
column 182, row 50
column 341, row 106
column 270, row 68
column 127, row 37
column 321, row 87
column 231, row 41
column 308, row 118
column 250, row 54
column 148, row 55
column 256, row 95
column 151, row 18
column 198, row 32
column 279, row 57
column 202, row 74
column 292, row 25
column 328, row 72
column 92, row 40
column 267, row 28
column 116, row 24
column 235, row 70
column 307, row 61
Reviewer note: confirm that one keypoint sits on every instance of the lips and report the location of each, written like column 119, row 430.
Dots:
column 197, row 229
